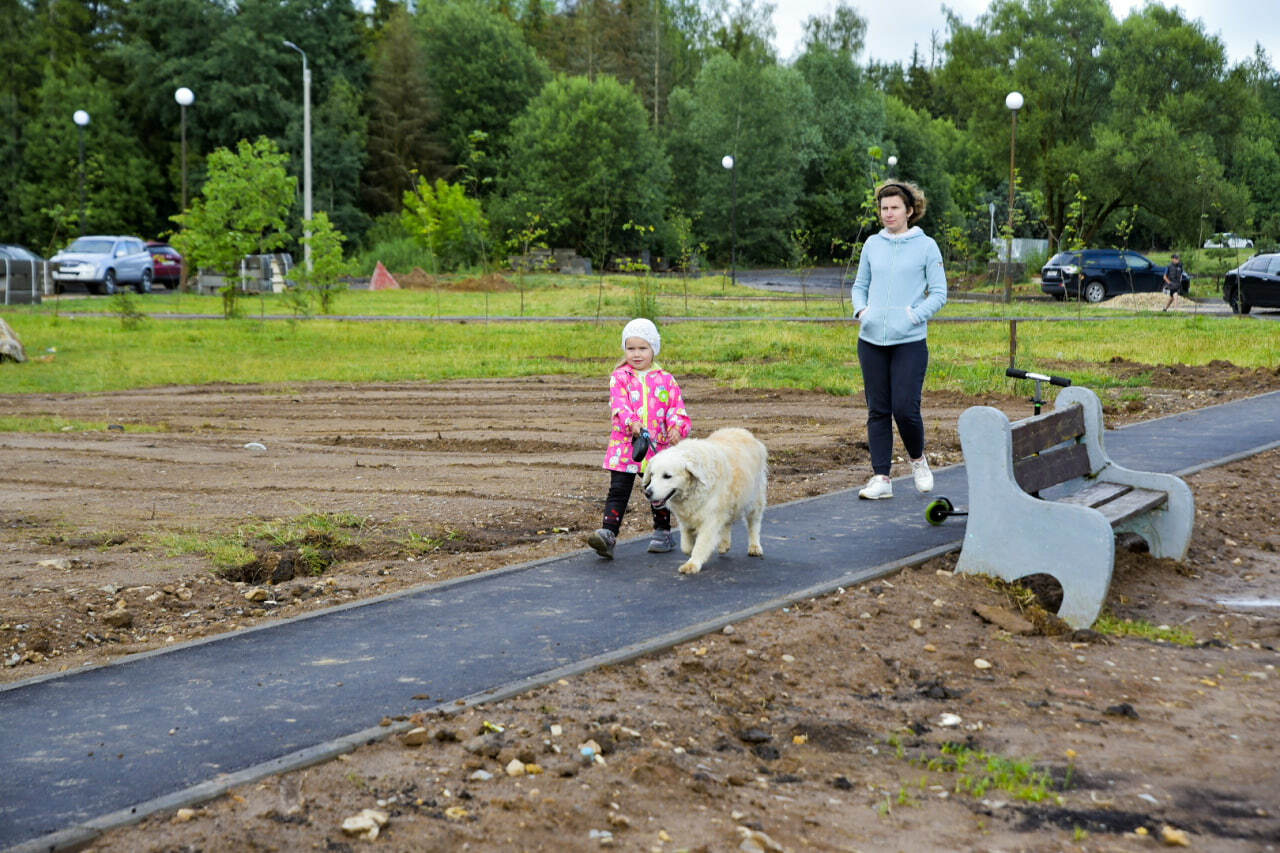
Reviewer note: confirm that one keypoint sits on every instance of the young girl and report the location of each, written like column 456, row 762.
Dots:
column 642, row 396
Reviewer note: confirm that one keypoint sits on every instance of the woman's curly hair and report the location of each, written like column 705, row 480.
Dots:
column 912, row 196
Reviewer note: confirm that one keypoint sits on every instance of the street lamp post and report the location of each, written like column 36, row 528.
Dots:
column 893, row 163
column 81, row 118
column 728, row 162
column 306, row 153
column 185, row 98
column 1014, row 102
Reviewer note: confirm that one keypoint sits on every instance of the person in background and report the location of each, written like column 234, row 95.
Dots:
column 1172, row 279
column 642, row 398
column 899, row 285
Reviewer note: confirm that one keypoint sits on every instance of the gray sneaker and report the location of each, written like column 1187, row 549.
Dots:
column 662, row 542
column 603, row 541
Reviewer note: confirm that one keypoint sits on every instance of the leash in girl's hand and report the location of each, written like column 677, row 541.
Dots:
column 640, row 445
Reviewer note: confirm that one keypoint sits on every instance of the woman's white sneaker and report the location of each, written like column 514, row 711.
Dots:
column 922, row 475
column 877, row 488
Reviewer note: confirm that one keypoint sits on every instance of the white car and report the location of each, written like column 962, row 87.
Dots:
column 1228, row 240
column 102, row 263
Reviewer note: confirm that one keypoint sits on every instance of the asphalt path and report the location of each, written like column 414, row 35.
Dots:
column 101, row 747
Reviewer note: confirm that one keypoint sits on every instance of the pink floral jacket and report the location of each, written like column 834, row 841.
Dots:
column 651, row 399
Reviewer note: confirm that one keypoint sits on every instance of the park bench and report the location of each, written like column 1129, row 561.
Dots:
column 1044, row 498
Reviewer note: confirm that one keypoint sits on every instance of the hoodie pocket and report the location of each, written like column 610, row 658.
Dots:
column 901, row 325
column 887, row 325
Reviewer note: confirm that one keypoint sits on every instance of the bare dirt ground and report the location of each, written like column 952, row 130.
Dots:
column 821, row 726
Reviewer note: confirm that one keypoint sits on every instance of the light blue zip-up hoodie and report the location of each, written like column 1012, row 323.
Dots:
column 901, row 283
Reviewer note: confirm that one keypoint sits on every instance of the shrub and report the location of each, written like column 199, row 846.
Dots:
column 442, row 218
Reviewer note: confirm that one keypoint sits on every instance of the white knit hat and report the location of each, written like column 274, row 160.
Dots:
column 642, row 328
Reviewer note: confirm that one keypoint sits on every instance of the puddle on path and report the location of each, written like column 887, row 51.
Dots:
column 1248, row 603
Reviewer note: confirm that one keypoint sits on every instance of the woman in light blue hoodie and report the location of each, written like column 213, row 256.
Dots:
column 900, row 284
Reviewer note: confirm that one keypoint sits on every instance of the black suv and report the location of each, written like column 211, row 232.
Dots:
column 1096, row 274
column 1255, row 282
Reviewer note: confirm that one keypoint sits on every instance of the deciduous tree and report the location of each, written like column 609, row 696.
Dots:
column 242, row 209
column 762, row 115
column 583, row 155
column 482, row 75
column 118, row 180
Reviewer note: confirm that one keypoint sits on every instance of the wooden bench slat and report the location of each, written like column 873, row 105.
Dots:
column 1052, row 467
column 1129, row 505
column 1044, row 431
column 1097, row 494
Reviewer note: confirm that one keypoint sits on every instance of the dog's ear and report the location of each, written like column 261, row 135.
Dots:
column 697, row 470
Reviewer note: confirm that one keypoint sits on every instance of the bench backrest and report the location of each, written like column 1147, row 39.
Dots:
column 1047, row 449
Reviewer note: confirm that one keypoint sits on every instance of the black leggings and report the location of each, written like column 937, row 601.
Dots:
column 893, row 378
column 615, row 505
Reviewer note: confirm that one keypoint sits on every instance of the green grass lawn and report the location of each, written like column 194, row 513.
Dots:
column 587, row 297
column 763, row 349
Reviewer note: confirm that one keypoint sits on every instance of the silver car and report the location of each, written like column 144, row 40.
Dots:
column 103, row 263
column 1228, row 240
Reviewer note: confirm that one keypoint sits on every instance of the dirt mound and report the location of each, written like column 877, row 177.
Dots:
column 418, row 279
column 1148, row 302
column 1216, row 375
column 487, row 283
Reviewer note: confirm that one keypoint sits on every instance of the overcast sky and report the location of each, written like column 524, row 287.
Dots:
column 893, row 28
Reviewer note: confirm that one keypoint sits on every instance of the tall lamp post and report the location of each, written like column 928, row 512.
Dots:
column 728, row 162
column 1014, row 102
column 893, row 164
column 306, row 152
column 185, row 98
column 81, row 118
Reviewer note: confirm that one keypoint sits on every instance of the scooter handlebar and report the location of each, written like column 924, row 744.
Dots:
column 1015, row 373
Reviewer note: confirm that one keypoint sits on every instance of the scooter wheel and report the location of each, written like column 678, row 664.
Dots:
column 938, row 511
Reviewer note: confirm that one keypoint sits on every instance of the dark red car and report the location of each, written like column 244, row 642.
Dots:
column 166, row 263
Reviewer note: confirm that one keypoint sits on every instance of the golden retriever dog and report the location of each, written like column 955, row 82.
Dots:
column 709, row 483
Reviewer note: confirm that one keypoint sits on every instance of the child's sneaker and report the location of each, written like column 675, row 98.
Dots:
column 922, row 475
column 662, row 542
column 603, row 541
column 877, row 488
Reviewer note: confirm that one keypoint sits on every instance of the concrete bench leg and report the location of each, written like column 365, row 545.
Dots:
column 1026, row 537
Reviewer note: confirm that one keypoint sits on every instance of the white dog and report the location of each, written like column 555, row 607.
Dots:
column 709, row 484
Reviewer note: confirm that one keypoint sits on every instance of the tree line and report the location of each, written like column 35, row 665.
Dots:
column 602, row 125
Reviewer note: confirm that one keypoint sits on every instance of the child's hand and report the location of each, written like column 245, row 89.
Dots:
column 634, row 429
column 673, row 436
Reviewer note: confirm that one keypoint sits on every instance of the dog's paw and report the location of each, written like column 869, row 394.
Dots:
column 690, row 568
column 724, row 546
column 755, row 551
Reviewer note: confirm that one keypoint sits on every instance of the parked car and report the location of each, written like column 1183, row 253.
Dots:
column 1256, row 282
column 1098, row 274
column 102, row 263
column 14, row 252
column 1228, row 240
column 21, row 274
column 166, row 263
